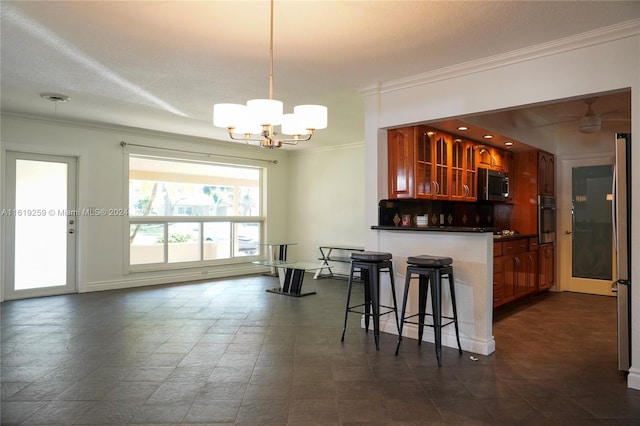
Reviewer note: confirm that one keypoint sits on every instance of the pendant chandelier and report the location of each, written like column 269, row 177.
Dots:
column 256, row 121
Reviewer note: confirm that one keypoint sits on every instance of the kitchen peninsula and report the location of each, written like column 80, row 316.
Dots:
column 472, row 252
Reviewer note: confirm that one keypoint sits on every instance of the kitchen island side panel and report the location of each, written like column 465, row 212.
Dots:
column 472, row 255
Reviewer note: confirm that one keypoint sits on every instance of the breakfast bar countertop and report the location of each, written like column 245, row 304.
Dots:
column 497, row 232
column 435, row 228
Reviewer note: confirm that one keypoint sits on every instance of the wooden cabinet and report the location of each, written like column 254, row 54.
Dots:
column 464, row 170
column 441, row 143
column 419, row 160
column 401, row 154
column 515, row 269
column 426, row 163
column 493, row 158
column 533, row 174
column 532, row 266
column 524, row 187
column 498, row 276
column 546, row 259
column 546, row 174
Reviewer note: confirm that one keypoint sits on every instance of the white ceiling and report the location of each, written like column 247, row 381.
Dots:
column 161, row 65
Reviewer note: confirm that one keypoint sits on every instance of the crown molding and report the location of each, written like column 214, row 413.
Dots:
column 326, row 148
column 579, row 41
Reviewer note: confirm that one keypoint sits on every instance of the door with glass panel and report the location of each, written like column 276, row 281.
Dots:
column 40, row 225
column 587, row 232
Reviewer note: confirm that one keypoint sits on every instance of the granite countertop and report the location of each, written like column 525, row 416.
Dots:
column 513, row 237
column 435, row 228
column 472, row 229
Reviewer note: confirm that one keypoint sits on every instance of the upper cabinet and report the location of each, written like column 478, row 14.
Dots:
column 401, row 157
column 546, row 174
column 533, row 175
column 428, row 163
column 493, row 158
column 464, row 170
column 441, row 177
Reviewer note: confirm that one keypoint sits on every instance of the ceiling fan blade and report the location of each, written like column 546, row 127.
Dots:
column 555, row 123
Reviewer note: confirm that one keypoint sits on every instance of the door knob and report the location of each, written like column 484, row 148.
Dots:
column 567, row 232
column 71, row 231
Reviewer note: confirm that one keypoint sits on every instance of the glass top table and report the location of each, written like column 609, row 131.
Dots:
column 291, row 275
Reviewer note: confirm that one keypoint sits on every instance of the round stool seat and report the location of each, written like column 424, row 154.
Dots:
column 430, row 261
column 370, row 256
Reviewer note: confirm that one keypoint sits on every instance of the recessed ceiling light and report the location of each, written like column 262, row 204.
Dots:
column 463, row 128
column 488, row 136
column 508, row 143
column 55, row 97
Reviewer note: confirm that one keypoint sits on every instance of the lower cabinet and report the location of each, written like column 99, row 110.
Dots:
column 546, row 259
column 520, row 267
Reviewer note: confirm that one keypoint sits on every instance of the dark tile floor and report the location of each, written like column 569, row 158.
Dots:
column 227, row 352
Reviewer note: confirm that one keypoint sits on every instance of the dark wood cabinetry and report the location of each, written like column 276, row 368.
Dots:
column 493, row 158
column 431, row 165
column 534, row 174
column 464, row 170
column 546, row 259
column 419, row 161
column 498, row 275
column 516, row 269
column 532, row 269
column 401, row 153
column 426, row 163
column 546, row 174
column 524, row 187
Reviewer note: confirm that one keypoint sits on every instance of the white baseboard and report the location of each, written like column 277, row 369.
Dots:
column 133, row 281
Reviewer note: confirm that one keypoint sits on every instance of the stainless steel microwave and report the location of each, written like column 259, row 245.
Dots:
column 492, row 185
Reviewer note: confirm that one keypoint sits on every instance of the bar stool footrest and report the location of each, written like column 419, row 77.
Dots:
column 353, row 310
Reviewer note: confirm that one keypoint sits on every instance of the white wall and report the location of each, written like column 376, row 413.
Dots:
column 596, row 63
column 327, row 198
column 101, row 183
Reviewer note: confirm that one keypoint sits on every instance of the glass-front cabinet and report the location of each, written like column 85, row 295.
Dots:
column 463, row 170
column 441, row 143
column 425, row 185
column 419, row 163
column 426, row 163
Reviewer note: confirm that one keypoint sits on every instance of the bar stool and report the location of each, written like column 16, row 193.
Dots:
column 430, row 269
column 370, row 264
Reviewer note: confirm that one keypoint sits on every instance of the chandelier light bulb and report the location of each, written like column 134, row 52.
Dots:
column 228, row 115
column 266, row 112
column 291, row 125
column 312, row 116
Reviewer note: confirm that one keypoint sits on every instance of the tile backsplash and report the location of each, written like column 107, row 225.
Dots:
column 441, row 213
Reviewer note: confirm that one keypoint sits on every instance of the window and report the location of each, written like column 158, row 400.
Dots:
column 187, row 213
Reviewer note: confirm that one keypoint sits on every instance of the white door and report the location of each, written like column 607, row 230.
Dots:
column 587, row 255
column 40, row 239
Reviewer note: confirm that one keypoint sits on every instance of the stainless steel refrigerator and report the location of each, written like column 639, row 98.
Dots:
column 622, row 236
